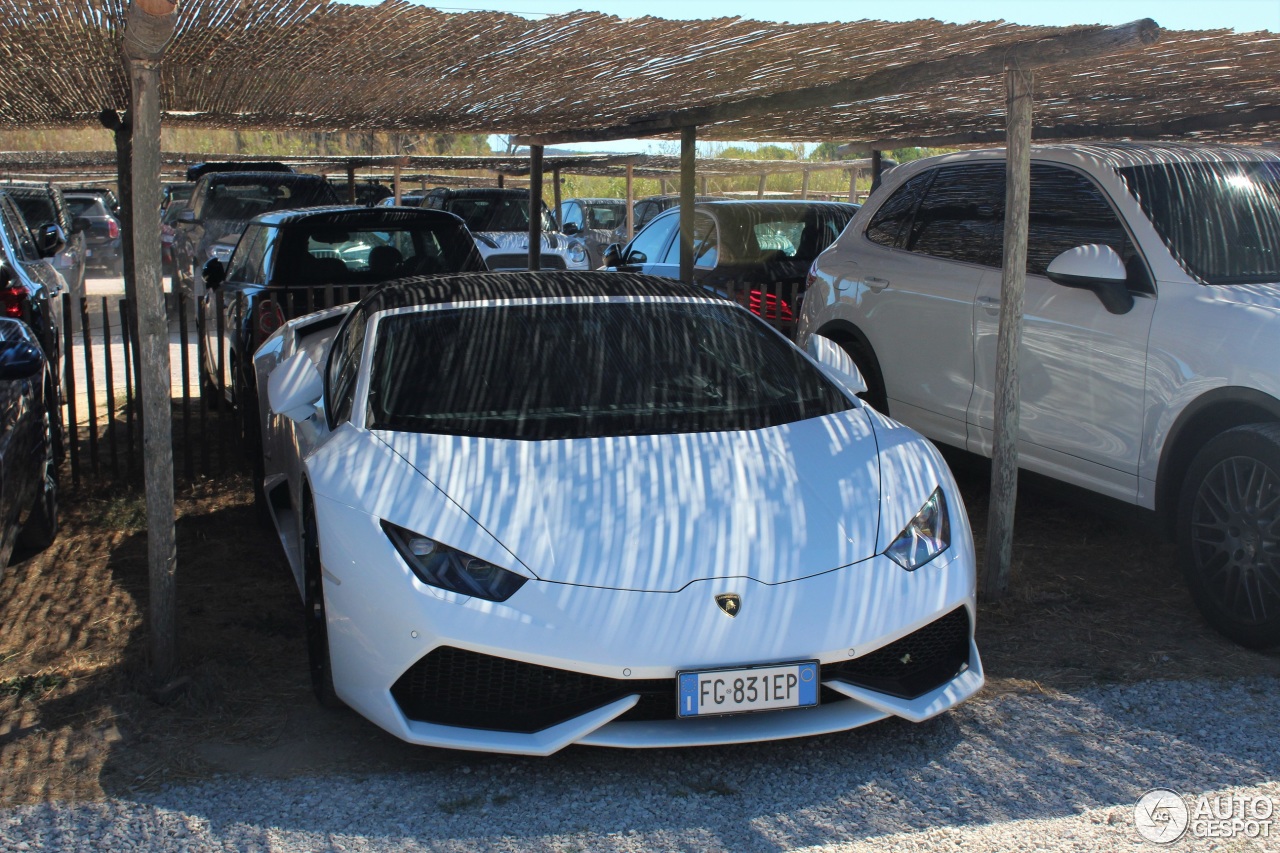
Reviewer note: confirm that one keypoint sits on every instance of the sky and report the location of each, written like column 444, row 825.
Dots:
column 1239, row 15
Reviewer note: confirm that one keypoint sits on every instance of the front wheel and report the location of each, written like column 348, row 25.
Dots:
column 1229, row 533
column 41, row 525
column 316, row 616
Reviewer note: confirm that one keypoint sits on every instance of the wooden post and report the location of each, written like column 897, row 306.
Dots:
column 555, row 192
column 499, row 180
column 877, row 168
column 395, row 182
column 122, row 130
column 1004, row 452
column 351, row 182
column 631, row 203
column 535, row 207
column 688, row 148
column 148, row 29
column 804, row 184
column 853, row 185
column 702, row 183
column 764, row 176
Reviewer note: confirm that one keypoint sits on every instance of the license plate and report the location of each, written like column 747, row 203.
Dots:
column 768, row 687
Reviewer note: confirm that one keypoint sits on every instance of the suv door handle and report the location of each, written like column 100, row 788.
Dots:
column 875, row 285
column 991, row 303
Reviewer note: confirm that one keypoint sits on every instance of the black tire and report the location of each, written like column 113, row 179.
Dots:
column 316, row 620
column 869, row 367
column 1229, row 533
column 41, row 525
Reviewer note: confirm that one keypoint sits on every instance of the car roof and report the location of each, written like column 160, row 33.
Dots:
column 478, row 192
column 354, row 214
column 1119, row 155
column 618, row 201
column 546, row 284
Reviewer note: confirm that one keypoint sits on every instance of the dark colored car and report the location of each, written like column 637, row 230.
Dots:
column 755, row 252
column 175, row 192
column 169, row 233
column 594, row 221
column 368, row 193
column 28, row 460
column 31, row 291
column 198, row 170
column 414, row 199
column 222, row 205
column 282, row 261
column 102, row 244
column 42, row 204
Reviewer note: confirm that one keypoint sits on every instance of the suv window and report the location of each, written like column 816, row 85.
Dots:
column 571, row 214
column 705, row 243
column 1068, row 210
column 17, row 228
column 894, row 216
column 961, row 216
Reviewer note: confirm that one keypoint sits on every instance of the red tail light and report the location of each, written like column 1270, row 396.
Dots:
column 769, row 306
column 113, row 229
column 13, row 302
column 270, row 318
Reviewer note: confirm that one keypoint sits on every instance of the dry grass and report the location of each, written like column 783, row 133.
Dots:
column 1095, row 600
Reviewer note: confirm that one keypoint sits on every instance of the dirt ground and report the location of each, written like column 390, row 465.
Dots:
column 1095, row 599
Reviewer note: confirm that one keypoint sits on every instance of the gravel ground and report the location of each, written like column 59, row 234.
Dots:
column 1006, row 772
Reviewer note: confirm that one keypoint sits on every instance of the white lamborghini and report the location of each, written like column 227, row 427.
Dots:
column 528, row 510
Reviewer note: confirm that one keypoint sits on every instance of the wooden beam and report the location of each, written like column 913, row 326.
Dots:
column 1075, row 47
column 631, row 205
column 149, row 26
column 1141, row 130
column 1004, row 455
column 395, row 184
column 535, row 207
column 351, row 183
column 688, row 189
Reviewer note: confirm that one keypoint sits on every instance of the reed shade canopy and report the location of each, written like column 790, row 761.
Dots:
column 307, row 64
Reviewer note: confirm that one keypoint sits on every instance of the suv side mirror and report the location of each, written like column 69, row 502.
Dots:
column 295, row 387
column 570, row 228
column 612, row 255
column 49, row 239
column 213, row 273
column 1097, row 268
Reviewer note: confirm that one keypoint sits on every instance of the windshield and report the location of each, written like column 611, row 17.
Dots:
column 85, row 206
column 496, row 213
column 373, row 252
column 584, row 370
column 1221, row 220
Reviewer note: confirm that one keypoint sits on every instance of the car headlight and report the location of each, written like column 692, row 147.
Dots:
column 577, row 253
column 926, row 536
column 447, row 568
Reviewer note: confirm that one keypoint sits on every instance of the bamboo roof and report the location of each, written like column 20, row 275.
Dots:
column 312, row 64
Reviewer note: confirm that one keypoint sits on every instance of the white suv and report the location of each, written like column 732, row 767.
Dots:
column 1150, row 362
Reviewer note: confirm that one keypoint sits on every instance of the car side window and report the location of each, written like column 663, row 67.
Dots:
column 644, row 211
column 571, row 214
column 652, row 241
column 344, row 366
column 17, row 228
column 893, row 218
column 961, row 217
column 246, row 263
column 1068, row 210
column 705, row 243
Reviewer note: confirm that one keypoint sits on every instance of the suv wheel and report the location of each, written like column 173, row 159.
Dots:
column 1229, row 533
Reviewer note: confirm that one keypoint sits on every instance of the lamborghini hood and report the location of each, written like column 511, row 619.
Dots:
column 656, row 513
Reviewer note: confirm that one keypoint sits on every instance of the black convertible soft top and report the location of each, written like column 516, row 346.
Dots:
column 549, row 284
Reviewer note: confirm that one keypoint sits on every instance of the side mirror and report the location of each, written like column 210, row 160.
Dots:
column 635, row 258
column 612, row 255
column 570, row 228
column 1097, row 268
column 213, row 273
column 187, row 215
column 295, row 387
column 835, row 362
column 79, row 225
column 19, row 360
column 49, row 239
